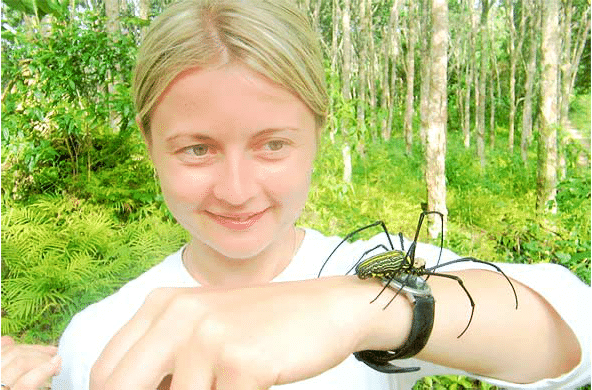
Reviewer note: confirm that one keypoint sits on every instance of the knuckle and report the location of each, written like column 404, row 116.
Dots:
column 98, row 376
column 210, row 330
column 159, row 296
column 185, row 304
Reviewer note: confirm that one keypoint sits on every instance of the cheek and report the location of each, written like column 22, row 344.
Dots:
column 290, row 185
column 182, row 186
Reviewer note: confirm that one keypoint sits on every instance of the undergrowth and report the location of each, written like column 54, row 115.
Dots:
column 61, row 254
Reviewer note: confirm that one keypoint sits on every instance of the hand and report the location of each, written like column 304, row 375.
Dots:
column 247, row 338
column 28, row 367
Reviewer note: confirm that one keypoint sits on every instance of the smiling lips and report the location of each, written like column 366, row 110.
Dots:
column 242, row 221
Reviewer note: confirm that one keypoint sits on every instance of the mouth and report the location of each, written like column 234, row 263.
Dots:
column 240, row 221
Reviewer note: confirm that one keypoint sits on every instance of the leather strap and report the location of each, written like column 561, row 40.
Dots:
column 421, row 328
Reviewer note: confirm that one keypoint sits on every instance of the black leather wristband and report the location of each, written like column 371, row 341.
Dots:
column 419, row 294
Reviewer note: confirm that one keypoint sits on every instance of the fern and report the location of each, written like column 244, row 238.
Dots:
column 59, row 255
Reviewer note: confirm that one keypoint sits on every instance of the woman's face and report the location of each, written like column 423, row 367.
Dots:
column 234, row 154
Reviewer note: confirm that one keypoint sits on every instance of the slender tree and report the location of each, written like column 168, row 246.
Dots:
column 346, row 87
column 482, row 83
column 410, row 75
column 549, row 116
column 394, row 53
column 437, row 117
column 531, row 72
column 112, row 14
column 515, row 42
column 425, row 68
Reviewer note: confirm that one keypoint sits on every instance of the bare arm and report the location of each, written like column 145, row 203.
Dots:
column 520, row 346
column 201, row 335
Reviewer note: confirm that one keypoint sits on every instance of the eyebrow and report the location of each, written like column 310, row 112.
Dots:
column 203, row 137
column 193, row 136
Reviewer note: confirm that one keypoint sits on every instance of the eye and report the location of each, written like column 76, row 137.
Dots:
column 275, row 145
column 198, row 150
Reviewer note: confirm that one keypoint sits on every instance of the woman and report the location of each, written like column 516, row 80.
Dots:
column 231, row 100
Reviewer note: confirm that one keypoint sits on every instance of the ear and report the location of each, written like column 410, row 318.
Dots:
column 146, row 136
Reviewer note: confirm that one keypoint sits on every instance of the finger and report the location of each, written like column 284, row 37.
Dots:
column 196, row 370
column 207, row 362
column 129, row 335
column 192, row 371
column 39, row 376
column 152, row 356
column 20, row 359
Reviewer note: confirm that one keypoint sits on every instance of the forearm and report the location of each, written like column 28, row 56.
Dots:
column 247, row 331
column 520, row 346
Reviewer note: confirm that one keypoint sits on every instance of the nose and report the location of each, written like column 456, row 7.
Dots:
column 236, row 182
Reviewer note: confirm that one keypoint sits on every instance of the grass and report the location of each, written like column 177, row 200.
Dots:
column 579, row 113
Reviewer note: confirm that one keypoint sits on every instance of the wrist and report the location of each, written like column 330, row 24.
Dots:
column 383, row 329
column 422, row 302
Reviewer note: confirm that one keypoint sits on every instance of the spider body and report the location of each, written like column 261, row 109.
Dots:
column 387, row 265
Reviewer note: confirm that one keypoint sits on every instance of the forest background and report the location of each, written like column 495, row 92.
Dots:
column 478, row 109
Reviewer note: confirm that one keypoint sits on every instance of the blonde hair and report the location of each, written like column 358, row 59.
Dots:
column 271, row 37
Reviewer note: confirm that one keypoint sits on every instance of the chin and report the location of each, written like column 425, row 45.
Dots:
column 239, row 253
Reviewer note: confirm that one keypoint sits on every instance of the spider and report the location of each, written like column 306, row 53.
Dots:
column 393, row 262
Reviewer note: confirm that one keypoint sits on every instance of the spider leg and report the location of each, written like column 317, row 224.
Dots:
column 474, row 260
column 350, row 235
column 384, row 288
column 401, row 239
column 462, row 285
column 418, row 230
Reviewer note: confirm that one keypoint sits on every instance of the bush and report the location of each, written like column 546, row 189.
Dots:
column 64, row 113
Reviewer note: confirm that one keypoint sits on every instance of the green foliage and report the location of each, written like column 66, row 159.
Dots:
column 60, row 102
column 40, row 8
column 579, row 111
column 60, row 255
column 451, row 382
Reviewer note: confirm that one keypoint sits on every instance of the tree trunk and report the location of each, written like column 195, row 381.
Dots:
column 491, row 116
column 480, row 119
column 113, row 27
column 469, row 71
column 437, row 117
column 334, row 67
column 395, row 50
column 512, row 52
column 346, row 90
column 363, row 62
column 565, row 63
column 372, row 75
column 527, row 112
column 467, row 105
column 112, row 14
column 424, row 92
column 549, row 116
column 410, row 70
column 386, row 90
column 565, row 72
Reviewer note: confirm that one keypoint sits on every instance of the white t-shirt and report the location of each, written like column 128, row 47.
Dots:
column 90, row 330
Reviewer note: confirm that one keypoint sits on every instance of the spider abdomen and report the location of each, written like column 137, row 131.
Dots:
column 383, row 265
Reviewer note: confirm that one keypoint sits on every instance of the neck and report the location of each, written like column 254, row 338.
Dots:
column 209, row 267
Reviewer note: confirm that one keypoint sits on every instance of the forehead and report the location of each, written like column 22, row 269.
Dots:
column 228, row 74
column 227, row 97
